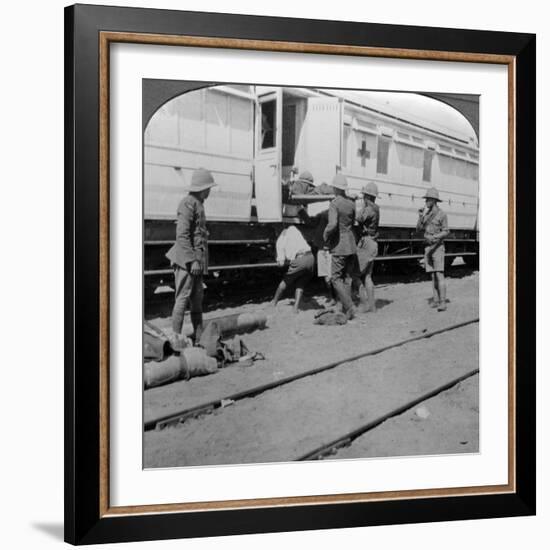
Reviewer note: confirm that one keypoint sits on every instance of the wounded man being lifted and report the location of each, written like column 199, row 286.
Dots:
column 292, row 249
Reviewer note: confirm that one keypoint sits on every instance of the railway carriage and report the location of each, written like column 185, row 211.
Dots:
column 254, row 139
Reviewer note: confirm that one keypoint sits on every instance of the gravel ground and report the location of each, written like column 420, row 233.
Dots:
column 293, row 344
column 445, row 424
column 285, row 423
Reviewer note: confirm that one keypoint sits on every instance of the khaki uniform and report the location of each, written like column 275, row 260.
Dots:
column 340, row 239
column 191, row 245
column 367, row 247
column 434, row 224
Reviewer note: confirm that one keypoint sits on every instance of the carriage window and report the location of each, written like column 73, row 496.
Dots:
column 428, row 159
column 268, row 124
column 382, row 155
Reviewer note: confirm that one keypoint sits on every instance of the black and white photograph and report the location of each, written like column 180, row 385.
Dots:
column 310, row 273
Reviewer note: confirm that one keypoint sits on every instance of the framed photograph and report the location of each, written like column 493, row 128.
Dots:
column 300, row 274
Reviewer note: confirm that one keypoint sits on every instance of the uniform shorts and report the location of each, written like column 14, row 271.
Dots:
column 300, row 270
column 189, row 290
column 367, row 250
column 434, row 258
column 343, row 267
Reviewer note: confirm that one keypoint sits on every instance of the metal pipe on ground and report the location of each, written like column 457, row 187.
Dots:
column 177, row 417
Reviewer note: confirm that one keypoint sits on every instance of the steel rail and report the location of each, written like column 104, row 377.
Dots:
column 152, row 272
column 343, row 441
column 181, row 416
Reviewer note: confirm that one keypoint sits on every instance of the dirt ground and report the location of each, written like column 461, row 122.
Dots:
column 285, row 423
column 445, row 424
column 292, row 343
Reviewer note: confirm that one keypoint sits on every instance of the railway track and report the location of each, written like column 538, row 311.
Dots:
column 311, row 446
column 329, row 448
column 183, row 415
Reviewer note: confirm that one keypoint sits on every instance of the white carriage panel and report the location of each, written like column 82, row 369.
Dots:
column 192, row 125
column 231, row 199
column 163, row 127
column 241, row 126
column 398, row 205
column 168, row 175
column 217, row 121
column 409, row 163
column 321, row 132
column 163, row 189
column 446, row 178
column 188, row 158
column 461, row 217
column 360, row 149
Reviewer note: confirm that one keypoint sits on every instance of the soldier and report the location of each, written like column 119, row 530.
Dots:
column 433, row 221
column 303, row 185
column 189, row 255
column 293, row 249
column 340, row 240
column 367, row 247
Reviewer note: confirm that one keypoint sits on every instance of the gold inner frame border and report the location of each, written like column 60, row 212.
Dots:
column 105, row 40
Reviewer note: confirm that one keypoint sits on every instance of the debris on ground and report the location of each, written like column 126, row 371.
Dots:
column 422, row 412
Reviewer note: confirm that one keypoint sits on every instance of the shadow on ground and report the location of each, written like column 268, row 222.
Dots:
column 257, row 292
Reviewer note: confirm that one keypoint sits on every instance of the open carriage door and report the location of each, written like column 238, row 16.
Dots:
column 267, row 167
column 323, row 128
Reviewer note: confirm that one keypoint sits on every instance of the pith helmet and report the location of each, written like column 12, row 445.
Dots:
column 370, row 189
column 432, row 193
column 340, row 182
column 306, row 177
column 201, row 179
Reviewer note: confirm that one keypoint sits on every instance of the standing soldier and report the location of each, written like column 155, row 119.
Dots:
column 189, row 255
column 340, row 240
column 367, row 247
column 433, row 221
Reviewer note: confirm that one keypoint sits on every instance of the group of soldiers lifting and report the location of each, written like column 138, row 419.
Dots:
column 347, row 233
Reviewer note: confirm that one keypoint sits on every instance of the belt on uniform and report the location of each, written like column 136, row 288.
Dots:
column 302, row 253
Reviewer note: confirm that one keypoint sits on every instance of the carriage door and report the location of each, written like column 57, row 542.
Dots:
column 267, row 167
column 323, row 126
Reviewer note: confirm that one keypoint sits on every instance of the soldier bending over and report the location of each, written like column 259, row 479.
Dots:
column 293, row 249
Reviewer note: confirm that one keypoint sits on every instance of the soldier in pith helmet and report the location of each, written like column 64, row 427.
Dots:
column 367, row 245
column 189, row 255
column 433, row 222
column 303, row 185
column 340, row 240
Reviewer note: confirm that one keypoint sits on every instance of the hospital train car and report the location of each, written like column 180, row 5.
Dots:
column 255, row 139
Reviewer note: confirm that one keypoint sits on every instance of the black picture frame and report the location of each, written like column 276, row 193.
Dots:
column 86, row 520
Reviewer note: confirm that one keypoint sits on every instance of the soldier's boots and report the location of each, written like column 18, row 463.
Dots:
column 364, row 305
column 345, row 298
